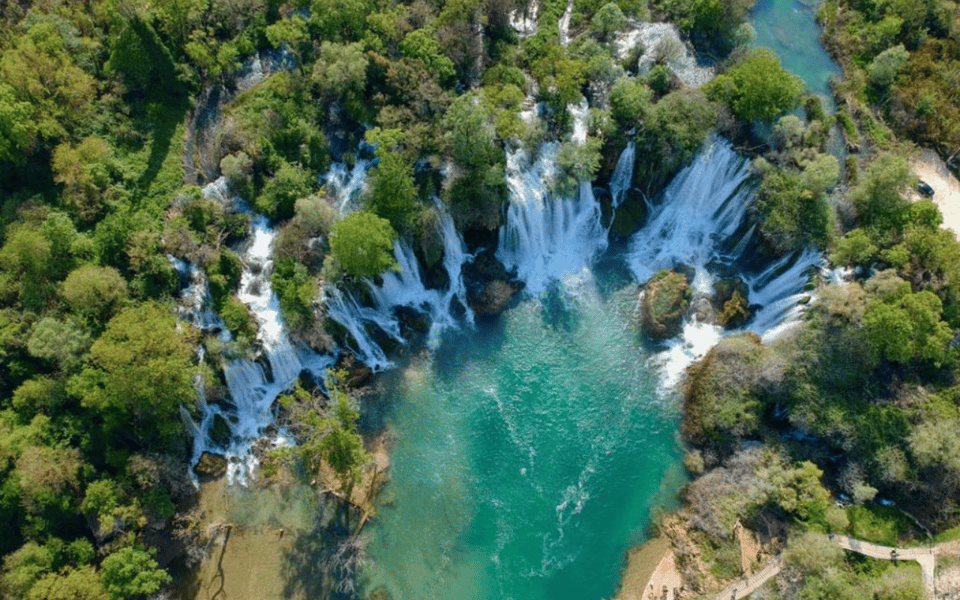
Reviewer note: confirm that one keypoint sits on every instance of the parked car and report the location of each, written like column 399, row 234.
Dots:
column 924, row 188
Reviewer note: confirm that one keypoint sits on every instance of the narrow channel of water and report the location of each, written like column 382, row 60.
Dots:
column 790, row 29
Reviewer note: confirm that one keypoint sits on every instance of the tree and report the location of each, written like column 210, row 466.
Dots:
column 391, row 192
column 16, row 126
column 607, row 22
column 880, row 197
column 131, row 571
column 279, row 196
column 64, row 343
column 885, row 67
column 630, row 102
column 907, row 327
column 758, row 88
column 96, row 293
column 86, row 172
column 141, row 374
column 362, row 243
column 82, row 583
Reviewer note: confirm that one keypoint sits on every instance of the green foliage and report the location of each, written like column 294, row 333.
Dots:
column 131, row 571
column 630, row 102
column 391, row 192
column 676, row 129
column 362, row 243
column 577, row 163
column 140, row 375
column 341, row 73
column 885, row 67
column 758, row 88
column 907, row 327
column 62, row 343
column 95, row 293
column 877, row 524
column 607, row 21
column 880, row 197
column 69, row 584
column 296, row 290
column 280, row 194
column 793, row 207
column 16, row 128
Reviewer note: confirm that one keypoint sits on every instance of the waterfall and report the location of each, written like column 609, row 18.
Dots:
column 547, row 237
column 695, row 224
column 564, row 24
column 622, row 177
column 345, row 184
column 405, row 288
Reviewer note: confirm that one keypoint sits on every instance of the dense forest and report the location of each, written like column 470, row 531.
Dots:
column 106, row 137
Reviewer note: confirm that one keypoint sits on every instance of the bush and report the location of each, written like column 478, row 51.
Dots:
column 362, row 243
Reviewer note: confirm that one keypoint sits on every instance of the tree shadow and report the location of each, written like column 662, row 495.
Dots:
column 325, row 562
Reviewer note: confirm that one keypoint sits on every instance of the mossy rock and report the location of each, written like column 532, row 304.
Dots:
column 210, row 466
column 664, row 303
column 731, row 302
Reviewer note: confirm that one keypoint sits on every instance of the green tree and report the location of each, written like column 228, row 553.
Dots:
column 880, row 197
column 279, row 196
column 95, row 293
column 630, row 102
column 757, row 88
column 82, row 583
column 907, row 327
column 362, row 243
column 607, row 22
column 885, row 67
column 17, row 129
column 131, row 571
column 86, row 172
column 391, row 192
column 64, row 343
column 141, row 374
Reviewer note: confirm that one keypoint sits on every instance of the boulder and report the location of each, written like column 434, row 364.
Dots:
column 731, row 302
column 664, row 302
column 210, row 466
column 494, row 297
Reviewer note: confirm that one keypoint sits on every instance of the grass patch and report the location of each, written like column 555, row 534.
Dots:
column 877, row 524
column 948, row 535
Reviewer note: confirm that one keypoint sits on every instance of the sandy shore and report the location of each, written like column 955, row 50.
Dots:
column 649, row 568
column 928, row 167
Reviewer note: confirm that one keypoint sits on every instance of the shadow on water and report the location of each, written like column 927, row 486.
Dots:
column 324, row 562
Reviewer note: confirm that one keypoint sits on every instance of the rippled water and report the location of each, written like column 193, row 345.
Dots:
column 529, row 455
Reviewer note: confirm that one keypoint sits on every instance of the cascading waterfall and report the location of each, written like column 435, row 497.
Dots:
column 253, row 384
column 406, row 288
column 345, row 184
column 694, row 225
column 548, row 237
column 622, row 177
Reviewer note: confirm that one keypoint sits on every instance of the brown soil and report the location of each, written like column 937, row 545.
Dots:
column 649, row 568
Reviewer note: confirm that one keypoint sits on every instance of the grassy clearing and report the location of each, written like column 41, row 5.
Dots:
column 877, row 524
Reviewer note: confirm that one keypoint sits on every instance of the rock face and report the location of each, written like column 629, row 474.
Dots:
column 664, row 301
column 210, row 466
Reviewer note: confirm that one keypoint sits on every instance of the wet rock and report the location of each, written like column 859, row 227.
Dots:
column 220, row 431
column 664, row 302
column 629, row 217
column 358, row 374
column 494, row 297
column 210, row 466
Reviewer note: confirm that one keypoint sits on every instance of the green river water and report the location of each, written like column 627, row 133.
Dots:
column 528, row 457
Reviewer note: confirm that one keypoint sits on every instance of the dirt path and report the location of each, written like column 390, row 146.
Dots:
column 929, row 168
column 927, row 557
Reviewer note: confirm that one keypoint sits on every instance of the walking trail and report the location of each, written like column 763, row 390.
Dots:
column 925, row 556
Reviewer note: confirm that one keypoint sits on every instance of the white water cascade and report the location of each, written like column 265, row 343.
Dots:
column 548, row 237
column 406, row 288
column 622, row 177
column 253, row 385
column 694, row 225
column 345, row 184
